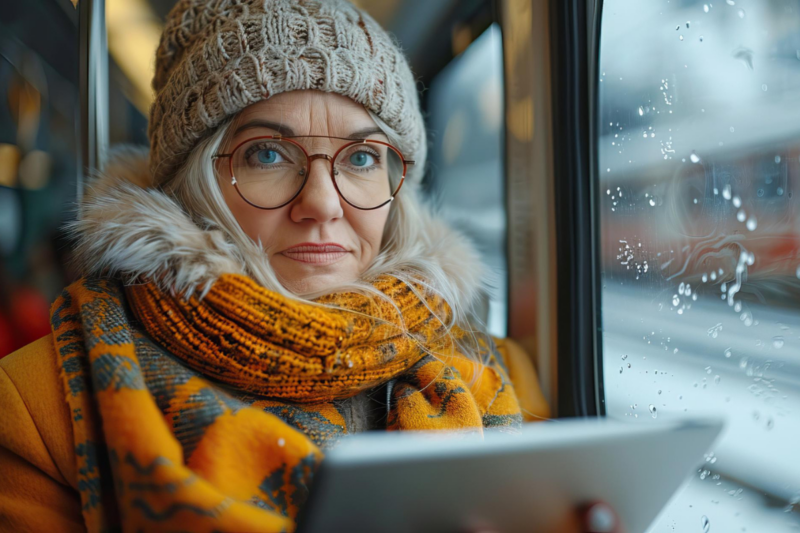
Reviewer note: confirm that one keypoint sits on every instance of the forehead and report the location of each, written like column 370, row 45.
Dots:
column 308, row 112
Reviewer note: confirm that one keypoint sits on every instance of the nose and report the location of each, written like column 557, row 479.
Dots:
column 318, row 201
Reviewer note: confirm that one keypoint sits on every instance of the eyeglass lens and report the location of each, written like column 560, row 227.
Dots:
column 270, row 172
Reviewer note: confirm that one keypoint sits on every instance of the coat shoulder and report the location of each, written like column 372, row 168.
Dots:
column 525, row 380
column 37, row 425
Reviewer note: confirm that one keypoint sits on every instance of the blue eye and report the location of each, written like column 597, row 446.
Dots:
column 362, row 159
column 269, row 157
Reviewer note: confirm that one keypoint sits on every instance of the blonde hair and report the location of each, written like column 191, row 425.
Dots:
column 408, row 233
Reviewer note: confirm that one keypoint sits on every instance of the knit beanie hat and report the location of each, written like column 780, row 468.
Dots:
column 217, row 57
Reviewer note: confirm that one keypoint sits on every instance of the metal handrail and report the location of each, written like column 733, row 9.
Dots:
column 93, row 89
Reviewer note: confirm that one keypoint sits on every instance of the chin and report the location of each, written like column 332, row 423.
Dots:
column 313, row 280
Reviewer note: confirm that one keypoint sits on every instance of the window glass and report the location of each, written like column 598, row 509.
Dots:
column 466, row 117
column 699, row 202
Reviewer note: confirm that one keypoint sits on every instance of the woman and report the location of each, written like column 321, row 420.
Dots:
column 262, row 283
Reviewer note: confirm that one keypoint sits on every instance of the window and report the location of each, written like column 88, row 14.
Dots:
column 699, row 208
column 466, row 121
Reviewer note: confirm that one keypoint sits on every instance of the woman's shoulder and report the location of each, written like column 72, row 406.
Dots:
column 523, row 376
column 36, row 419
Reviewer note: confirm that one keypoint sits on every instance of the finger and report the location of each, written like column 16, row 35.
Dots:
column 599, row 517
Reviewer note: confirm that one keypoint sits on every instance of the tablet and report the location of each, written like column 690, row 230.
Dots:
column 444, row 483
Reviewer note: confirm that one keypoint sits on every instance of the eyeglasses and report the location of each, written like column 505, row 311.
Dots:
column 269, row 172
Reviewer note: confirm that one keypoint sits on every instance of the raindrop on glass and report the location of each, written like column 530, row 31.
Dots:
column 694, row 158
column 726, row 192
column 704, row 523
column 777, row 342
column 752, row 224
column 681, row 37
column 705, row 8
column 641, row 111
column 653, row 411
column 281, row 442
column 730, row 2
column 741, row 13
column 764, row 87
column 741, row 216
column 675, row 300
column 777, row 159
column 728, row 353
column 737, row 202
column 652, row 202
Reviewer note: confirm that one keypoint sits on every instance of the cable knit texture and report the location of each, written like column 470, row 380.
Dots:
column 217, row 57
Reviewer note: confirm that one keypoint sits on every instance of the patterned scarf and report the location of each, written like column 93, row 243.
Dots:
column 209, row 414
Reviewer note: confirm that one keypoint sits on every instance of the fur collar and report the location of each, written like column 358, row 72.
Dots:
column 130, row 229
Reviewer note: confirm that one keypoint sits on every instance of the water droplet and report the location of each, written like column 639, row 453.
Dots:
column 652, row 202
column 732, row 129
column 705, row 8
column 681, row 288
column 777, row 159
column 716, row 379
column 653, row 411
column 741, row 216
column 608, row 170
column 677, row 27
column 681, row 37
column 701, row 38
column 737, row 202
column 726, row 192
column 694, row 158
column 777, row 342
column 620, row 370
column 281, row 442
column 705, row 278
column 730, row 2
column 728, row 353
column 704, row 523
column 770, row 423
column 714, row 331
column 641, row 111
column 624, row 357
column 764, row 87
column 629, row 365
column 675, row 300
column 752, row 224
column 659, row 392
column 741, row 13
column 687, row 23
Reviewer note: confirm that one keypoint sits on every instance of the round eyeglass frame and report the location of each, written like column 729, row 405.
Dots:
column 309, row 159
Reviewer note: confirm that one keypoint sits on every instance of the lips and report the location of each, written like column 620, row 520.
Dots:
column 315, row 253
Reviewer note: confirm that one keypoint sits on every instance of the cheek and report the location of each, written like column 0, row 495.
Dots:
column 256, row 223
column 370, row 226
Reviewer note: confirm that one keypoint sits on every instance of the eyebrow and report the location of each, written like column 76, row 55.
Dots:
column 289, row 132
column 280, row 128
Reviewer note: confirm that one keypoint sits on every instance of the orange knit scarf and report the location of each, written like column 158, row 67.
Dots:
column 216, row 426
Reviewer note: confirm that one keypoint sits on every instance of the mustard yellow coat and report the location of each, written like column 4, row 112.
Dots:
column 38, row 478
